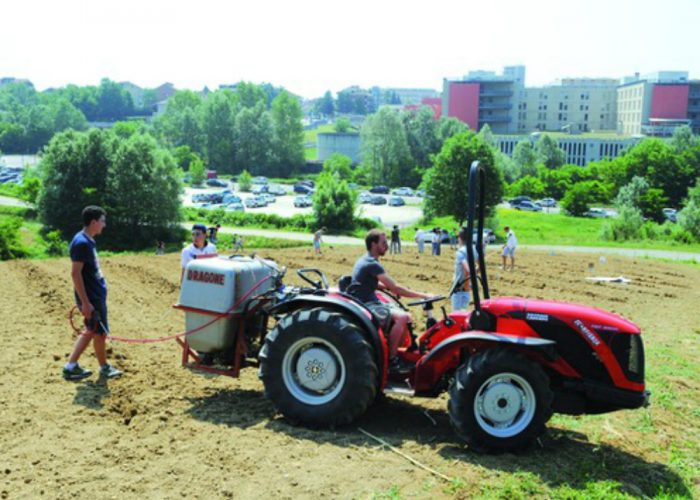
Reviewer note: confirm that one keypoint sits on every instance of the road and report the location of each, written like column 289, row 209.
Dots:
column 349, row 240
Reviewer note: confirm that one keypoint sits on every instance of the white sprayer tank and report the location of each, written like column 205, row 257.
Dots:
column 211, row 287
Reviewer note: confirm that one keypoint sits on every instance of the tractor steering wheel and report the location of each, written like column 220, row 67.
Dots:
column 321, row 284
column 430, row 300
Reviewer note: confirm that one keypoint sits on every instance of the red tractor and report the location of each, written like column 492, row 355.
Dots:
column 508, row 364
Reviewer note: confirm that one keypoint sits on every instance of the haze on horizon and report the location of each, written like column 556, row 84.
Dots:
column 310, row 46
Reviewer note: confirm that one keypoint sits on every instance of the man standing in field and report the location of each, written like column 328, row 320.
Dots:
column 90, row 290
column 509, row 248
column 317, row 240
column 200, row 248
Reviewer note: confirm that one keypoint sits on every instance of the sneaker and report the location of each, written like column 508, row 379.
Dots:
column 400, row 365
column 108, row 371
column 76, row 373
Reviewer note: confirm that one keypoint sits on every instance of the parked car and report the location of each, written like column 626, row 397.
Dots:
column 597, row 213
column 253, row 202
column 428, row 236
column 670, row 214
column 379, row 190
column 528, row 206
column 547, row 202
column 302, row 202
column 269, row 198
column 230, row 198
column 259, row 180
column 217, row 183
column 519, row 199
column 307, row 182
column 420, row 193
column 276, row 190
column 353, row 186
column 396, row 201
column 259, row 189
column 303, row 188
column 236, row 206
column 488, row 237
column 378, row 200
column 365, row 197
column 403, row 191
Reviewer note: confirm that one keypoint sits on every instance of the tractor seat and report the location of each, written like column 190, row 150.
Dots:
column 344, row 283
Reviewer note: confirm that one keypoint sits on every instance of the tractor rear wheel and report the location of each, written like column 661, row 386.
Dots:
column 318, row 369
column 499, row 400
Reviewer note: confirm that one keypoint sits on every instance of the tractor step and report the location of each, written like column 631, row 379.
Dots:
column 398, row 388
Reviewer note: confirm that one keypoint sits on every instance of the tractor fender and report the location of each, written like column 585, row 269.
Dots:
column 350, row 309
column 432, row 367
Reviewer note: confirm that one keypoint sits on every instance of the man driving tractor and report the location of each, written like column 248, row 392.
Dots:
column 368, row 275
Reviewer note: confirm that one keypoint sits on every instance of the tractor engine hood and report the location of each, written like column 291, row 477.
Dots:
column 538, row 310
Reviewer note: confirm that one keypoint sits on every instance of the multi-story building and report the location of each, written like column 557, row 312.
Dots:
column 575, row 105
column 658, row 103
column 483, row 97
column 579, row 149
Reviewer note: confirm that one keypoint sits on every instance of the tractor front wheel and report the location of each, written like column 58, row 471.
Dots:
column 318, row 369
column 500, row 401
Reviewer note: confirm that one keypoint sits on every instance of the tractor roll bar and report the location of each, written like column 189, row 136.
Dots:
column 477, row 177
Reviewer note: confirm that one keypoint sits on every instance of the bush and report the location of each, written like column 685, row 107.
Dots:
column 578, row 199
column 55, row 246
column 10, row 244
column 245, row 181
column 626, row 226
column 334, row 204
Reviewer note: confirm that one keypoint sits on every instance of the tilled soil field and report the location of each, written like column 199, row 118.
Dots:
column 162, row 431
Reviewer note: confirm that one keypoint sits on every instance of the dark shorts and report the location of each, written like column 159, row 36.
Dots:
column 98, row 322
column 382, row 314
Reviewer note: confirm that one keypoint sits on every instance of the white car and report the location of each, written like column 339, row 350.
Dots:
column 403, row 191
column 597, row 213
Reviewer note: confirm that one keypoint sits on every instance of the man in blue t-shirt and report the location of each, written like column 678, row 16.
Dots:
column 90, row 295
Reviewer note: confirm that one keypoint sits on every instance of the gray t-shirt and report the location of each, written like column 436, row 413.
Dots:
column 364, row 282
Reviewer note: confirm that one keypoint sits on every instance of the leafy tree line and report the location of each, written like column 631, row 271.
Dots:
column 132, row 178
column 398, row 147
column 28, row 119
column 236, row 130
column 668, row 168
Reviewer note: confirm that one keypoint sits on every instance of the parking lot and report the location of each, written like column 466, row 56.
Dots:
column 284, row 205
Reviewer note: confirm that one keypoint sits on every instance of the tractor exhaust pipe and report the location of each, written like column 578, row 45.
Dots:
column 477, row 179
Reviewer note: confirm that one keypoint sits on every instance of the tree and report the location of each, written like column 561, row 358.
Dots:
column 245, row 181
column 487, row 135
column 528, row 186
column 422, row 136
column 525, row 158
column 548, row 152
column 342, row 125
column 136, row 183
column 142, row 196
column 689, row 217
column 338, row 166
column 334, row 204
column 638, row 195
column 250, row 95
column 198, row 174
column 113, row 101
column 325, row 104
column 218, row 123
column 10, row 242
column 447, row 182
column 449, row 127
column 254, row 137
column 683, row 139
column 578, row 199
column 180, row 124
column 288, row 141
column 385, row 149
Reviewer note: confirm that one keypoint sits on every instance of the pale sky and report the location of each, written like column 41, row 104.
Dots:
column 310, row 46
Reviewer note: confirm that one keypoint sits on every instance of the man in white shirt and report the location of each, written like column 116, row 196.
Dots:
column 200, row 248
column 418, row 238
column 509, row 248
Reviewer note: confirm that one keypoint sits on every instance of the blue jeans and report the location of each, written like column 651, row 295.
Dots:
column 460, row 301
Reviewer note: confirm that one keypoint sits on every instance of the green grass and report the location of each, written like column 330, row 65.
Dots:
column 310, row 135
column 10, row 189
column 533, row 228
